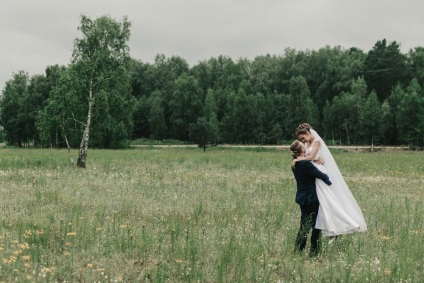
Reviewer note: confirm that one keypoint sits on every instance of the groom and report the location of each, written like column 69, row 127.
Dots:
column 305, row 174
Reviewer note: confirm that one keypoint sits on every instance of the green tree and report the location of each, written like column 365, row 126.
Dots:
column 202, row 73
column 345, row 117
column 301, row 106
column 210, row 111
column 263, row 74
column 282, row 127
column 203, row 132
column 331, row 123
column 143, row 79
column 384, row 67
column 158, row 128
column 371, row 120
column 358, row 88
column 141, row 118
column 416, row 61
column 185, row 105
column 390, row 127
column 13, row 115
column 233, row 123
column 221, row 75
column 37, row 95
column 101, row 60
column 330, row 70
column 410, row 116
column 166, row 73
column 261, row 120
column 56, row 120
column 94, row 93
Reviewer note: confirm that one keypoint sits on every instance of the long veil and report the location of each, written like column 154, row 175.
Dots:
column 339, row 186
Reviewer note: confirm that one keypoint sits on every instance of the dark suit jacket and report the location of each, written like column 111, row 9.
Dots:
column 306, row 173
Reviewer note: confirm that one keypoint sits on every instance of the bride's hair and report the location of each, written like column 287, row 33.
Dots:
column 303, row 129
column 296, row 149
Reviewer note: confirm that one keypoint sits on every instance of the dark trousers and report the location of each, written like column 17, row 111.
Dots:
column 307, row 222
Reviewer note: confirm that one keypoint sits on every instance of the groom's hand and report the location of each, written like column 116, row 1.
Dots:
column 327, row 181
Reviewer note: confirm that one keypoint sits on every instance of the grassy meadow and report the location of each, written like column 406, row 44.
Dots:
column 182, row 215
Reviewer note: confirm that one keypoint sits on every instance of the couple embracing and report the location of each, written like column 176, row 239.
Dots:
column 326, row 203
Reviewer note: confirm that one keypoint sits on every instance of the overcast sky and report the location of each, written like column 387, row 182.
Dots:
column 39, row 33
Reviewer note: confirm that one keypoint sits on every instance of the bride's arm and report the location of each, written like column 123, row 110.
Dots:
column 314, row 151
column 310, row 157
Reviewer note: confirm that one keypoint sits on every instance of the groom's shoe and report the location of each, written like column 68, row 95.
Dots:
column 333, row 239
column 314, row 253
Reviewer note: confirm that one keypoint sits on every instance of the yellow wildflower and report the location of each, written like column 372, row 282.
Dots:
column 24, row 246
column 27, row 234
column 47, row 270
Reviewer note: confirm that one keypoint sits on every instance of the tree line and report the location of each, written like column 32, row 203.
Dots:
column 349, row 96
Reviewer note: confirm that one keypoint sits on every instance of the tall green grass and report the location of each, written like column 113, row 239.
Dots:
column 182, row 215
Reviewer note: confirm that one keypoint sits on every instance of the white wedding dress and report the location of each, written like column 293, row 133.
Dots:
column 339, row 213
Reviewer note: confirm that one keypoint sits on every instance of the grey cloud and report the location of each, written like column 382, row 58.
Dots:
column 40, row 33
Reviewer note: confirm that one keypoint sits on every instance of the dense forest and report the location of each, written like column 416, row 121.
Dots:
column 349, row 96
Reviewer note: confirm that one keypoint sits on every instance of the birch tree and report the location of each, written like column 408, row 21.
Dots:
column 100, row 60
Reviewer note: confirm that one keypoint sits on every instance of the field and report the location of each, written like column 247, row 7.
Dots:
column 182, row 215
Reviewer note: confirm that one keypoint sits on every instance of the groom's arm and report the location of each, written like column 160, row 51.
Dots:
column 313, row 171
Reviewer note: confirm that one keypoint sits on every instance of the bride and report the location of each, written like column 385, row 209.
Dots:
column 339, row 213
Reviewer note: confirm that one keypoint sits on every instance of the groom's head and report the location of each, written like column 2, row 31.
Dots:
column 297, row 149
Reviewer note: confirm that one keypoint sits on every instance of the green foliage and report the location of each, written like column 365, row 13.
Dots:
column 385, row 66
column 158, row 128
column 343, row 116
column 391, row 129
column 410, row 116
column 57, row 119
column 185, row 106
column 13, row 117
column 93, row 93
column 204, row 132
column 371, row 120
column 416, row 63
column 259, row 101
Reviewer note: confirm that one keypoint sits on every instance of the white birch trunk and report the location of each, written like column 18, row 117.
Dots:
column 83, row 150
